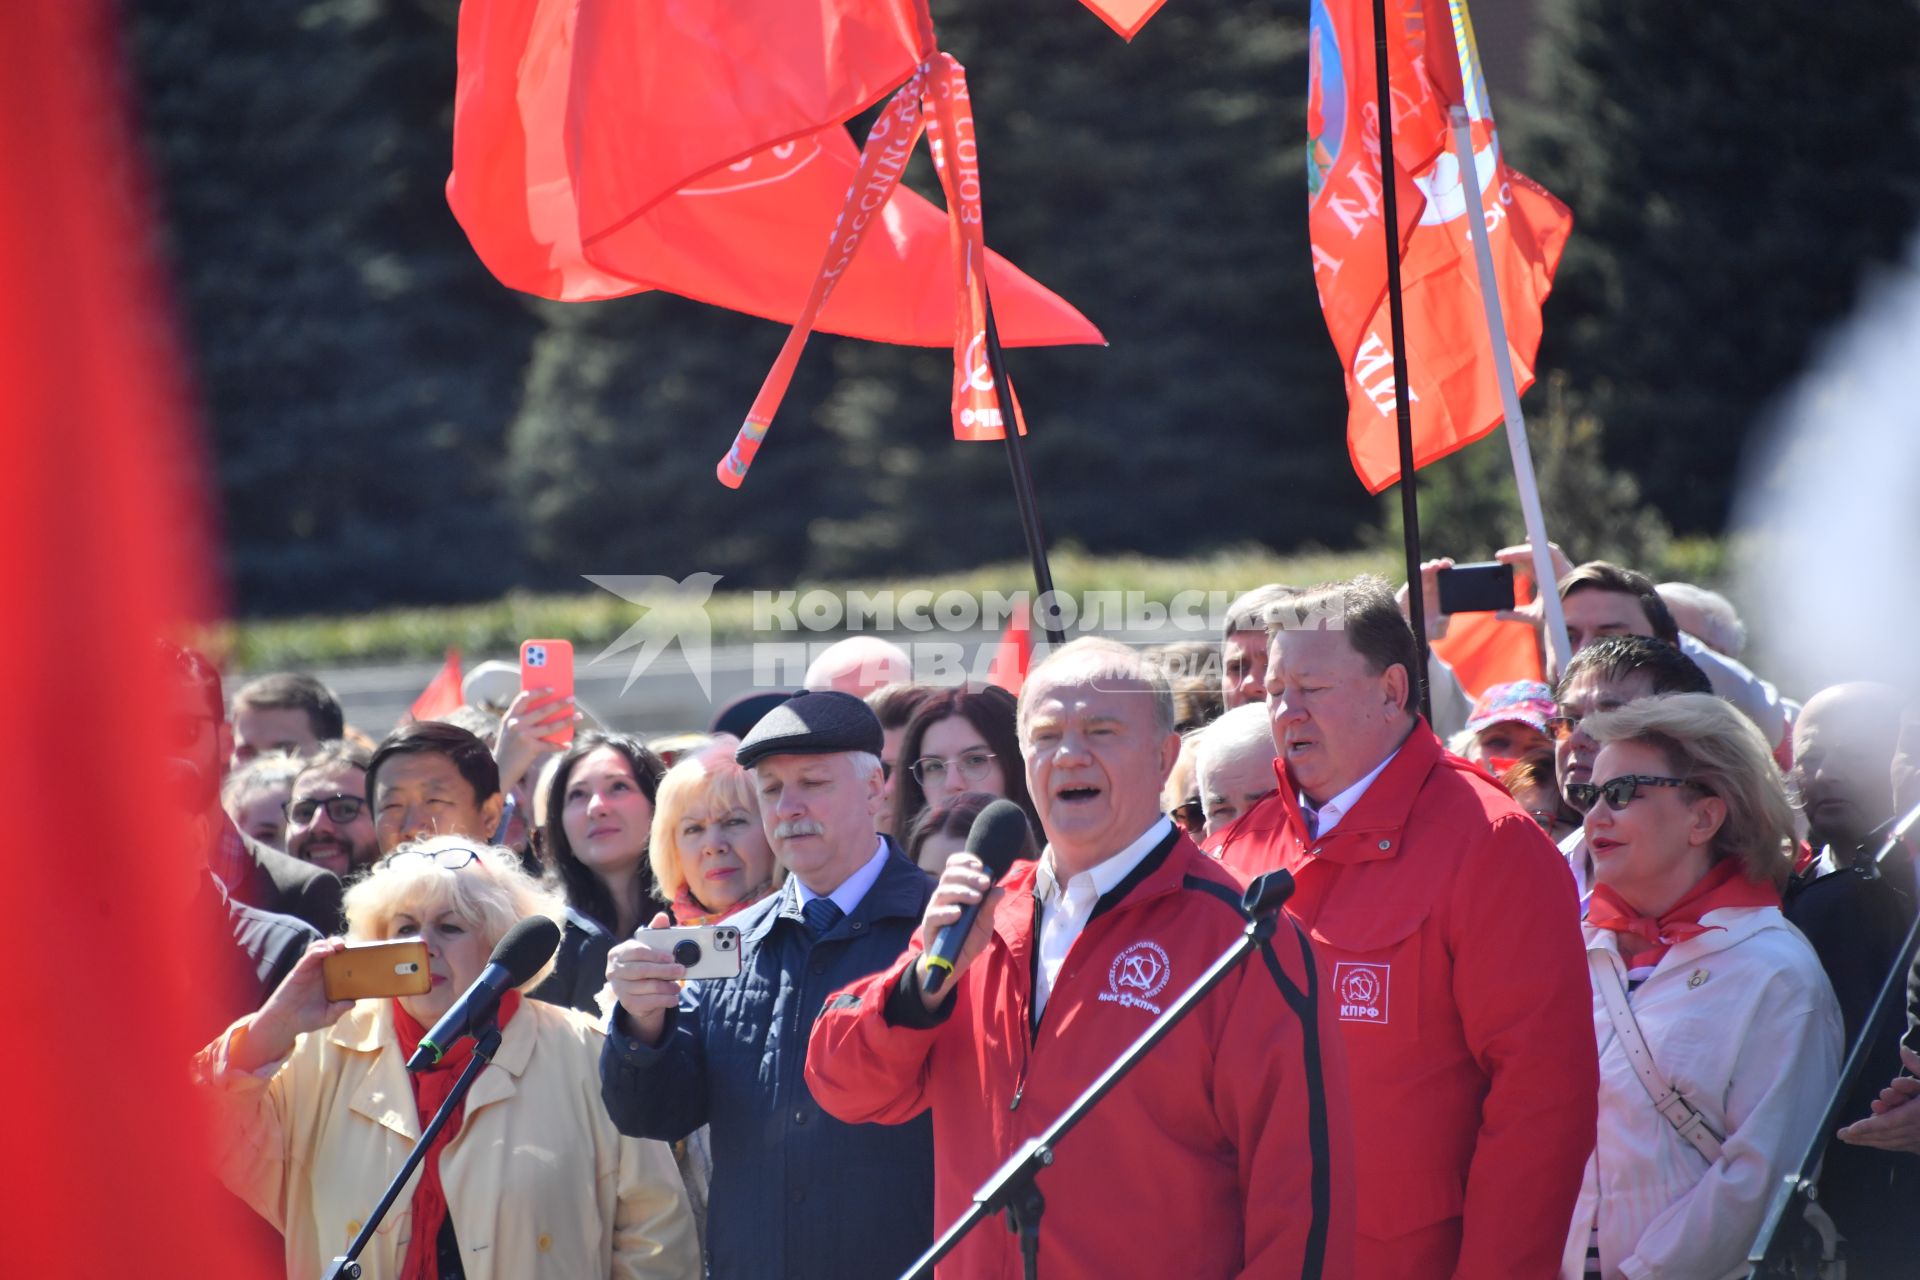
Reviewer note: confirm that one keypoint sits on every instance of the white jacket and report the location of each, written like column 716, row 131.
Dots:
column 1742, row 1021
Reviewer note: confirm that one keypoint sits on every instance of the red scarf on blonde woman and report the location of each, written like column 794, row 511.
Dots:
column 430, row 1089
column 1726, row 885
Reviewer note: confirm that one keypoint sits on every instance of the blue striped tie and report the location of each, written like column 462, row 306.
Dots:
column 821, row 915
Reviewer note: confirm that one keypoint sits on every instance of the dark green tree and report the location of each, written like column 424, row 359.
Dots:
column 357, row 365
column 1735, row 172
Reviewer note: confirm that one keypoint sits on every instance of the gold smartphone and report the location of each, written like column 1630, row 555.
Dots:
column 370, row 969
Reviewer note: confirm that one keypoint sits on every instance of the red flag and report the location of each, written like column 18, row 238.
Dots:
column 1013, row 656
column 103, row 516
column 1484, row 651
column 746, row 234
column 442, row 694
column 1454, row 395
column 1125, row 16
column 1344, row 190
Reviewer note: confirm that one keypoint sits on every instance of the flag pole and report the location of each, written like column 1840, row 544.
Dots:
column 1403, row 409
column 1023, row 493
column 1544, row 578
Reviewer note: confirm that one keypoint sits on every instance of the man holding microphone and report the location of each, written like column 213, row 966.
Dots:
column 1227, row 1151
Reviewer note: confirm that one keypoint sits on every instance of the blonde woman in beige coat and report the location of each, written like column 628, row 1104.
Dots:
column 318, row 1112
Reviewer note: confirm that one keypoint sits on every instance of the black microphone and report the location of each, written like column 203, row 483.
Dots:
column 527, row 946
column 996, row 838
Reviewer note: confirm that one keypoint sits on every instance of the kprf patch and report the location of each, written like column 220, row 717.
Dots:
column 1361, row 991
column 1137, row 975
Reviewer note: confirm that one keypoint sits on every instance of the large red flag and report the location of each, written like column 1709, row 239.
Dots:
column 738, row 229
column 102, row 516
column 1454, row 394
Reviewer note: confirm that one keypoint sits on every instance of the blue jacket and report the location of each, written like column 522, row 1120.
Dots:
column 796, row 1194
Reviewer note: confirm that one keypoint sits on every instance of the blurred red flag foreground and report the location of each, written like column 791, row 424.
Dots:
column 101, row 516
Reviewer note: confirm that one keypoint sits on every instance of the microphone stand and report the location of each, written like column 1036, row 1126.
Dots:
column 1772, row 1254
column 1011, row 1189
column 486, row 1042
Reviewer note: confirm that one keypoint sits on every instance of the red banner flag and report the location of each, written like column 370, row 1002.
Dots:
column 102, row 510
column 1452, row 388
column 746, row 231
column 442, row 694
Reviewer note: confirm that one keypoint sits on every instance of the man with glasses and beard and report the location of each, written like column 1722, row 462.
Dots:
column 329, row 822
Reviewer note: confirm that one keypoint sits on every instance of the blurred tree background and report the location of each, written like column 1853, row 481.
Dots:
column 390, row 425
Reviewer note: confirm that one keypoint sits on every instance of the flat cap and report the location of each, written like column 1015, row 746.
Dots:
column 812, row 724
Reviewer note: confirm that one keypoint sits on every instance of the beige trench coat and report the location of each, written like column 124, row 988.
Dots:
column 539, row 1183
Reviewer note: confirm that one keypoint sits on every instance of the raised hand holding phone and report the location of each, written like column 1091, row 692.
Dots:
column 547, row 665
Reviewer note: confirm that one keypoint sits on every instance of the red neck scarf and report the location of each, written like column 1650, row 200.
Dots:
column 430, row 1089
column 1723, row 886
column 689, row 911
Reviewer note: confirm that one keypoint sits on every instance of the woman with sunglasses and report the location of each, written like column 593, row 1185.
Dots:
column 529, row 1177
column 960, row 740
column 1705, row 999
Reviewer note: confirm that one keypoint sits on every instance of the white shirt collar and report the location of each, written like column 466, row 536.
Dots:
column 855, row 886
column 1341, row 805
column 1106, row 874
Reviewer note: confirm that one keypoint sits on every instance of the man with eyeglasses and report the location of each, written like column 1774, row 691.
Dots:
column 329, row 822
column 1610, row 672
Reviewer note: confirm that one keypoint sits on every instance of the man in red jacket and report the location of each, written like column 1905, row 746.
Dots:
column 1227, row 1151
column 1451, row 947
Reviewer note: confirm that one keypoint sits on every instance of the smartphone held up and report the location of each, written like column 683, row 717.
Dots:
column 548, row 665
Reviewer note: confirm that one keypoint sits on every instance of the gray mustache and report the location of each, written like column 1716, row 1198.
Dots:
column 801, row 827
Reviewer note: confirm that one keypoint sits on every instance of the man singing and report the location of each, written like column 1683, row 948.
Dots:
column 1226, row 1152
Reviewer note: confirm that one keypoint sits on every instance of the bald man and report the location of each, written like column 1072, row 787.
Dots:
column 858, row 665
column 1856, row 914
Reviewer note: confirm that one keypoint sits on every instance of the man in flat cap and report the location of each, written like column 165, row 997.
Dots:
column 795, row 1193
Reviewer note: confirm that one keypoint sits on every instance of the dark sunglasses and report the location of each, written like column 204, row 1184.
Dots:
column 341, row 809
column 1619, row 792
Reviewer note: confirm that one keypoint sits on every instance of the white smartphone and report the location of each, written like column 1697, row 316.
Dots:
column 707, row 951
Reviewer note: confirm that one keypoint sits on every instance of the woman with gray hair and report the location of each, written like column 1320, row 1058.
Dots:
column 529, row 1176
column 1719, row 1036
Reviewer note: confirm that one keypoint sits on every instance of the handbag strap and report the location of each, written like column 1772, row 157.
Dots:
column 1674, row 1109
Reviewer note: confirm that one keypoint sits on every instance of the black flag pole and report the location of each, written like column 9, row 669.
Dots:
column 1047, row 614
column 1403, row 408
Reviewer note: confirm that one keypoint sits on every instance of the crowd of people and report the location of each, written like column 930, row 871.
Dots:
column 1562, row 987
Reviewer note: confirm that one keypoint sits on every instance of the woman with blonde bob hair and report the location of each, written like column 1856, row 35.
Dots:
column 709, row 852
column 1719, row 1035
column 529, row 1176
